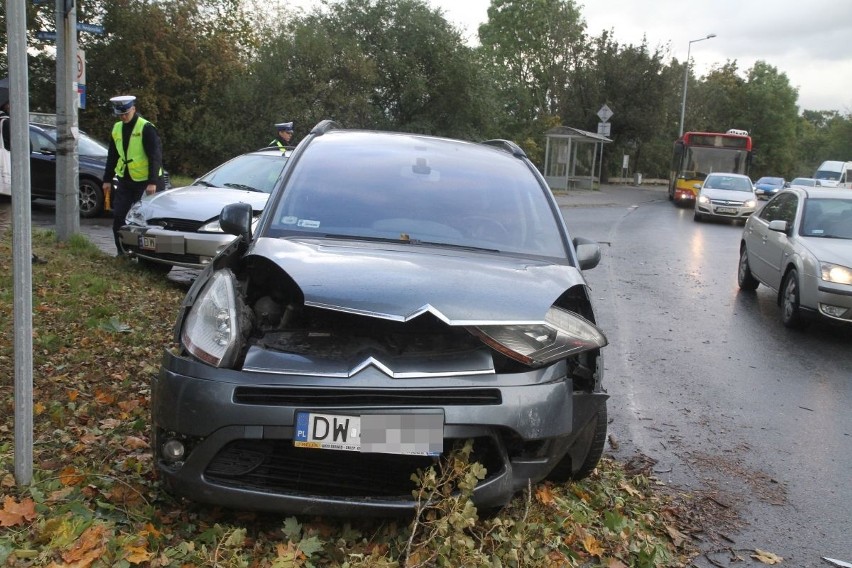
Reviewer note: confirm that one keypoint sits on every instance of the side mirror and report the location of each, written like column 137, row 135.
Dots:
column 236, row 219
column 696, row 185
column 588, row 253
column 778, row 225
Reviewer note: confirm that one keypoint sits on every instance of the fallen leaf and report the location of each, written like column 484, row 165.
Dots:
column 592, row 545
column 70, row 476
column 15, row 513
column 766, row 557
column 88, row 548
column 544, row 495
column 137, row 554
column 135, row 443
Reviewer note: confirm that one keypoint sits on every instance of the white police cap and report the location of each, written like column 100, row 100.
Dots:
column 286, row 126
column 122, row 104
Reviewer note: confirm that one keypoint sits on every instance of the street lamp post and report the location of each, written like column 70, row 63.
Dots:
column 685, row 77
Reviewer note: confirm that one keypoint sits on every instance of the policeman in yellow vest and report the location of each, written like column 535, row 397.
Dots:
column 285, row 135
column 135, row 157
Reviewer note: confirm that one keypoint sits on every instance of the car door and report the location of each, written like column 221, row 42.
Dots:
column 42, row 165
column 767, row 249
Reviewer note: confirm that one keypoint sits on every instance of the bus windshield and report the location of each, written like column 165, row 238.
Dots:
column 702, row 161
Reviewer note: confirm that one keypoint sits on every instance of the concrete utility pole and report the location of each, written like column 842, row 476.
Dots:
column 22, row 248
column 67, row 131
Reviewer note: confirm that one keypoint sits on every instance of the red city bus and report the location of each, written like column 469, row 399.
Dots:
column 697, row 154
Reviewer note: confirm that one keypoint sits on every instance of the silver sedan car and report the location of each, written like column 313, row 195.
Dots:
column 725, row 196
column 180, row 227
column 800, row 246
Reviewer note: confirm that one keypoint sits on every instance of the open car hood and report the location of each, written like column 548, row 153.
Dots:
column 400, row 281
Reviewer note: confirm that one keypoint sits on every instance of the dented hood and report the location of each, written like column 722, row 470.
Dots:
column 198, row 203
column 400, row 281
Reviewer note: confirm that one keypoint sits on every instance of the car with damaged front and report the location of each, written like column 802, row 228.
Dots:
column 180, row 227
column 400, row 294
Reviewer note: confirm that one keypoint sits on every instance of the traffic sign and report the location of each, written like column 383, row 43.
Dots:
column 605, row 113
column 604, row 128
column 91, row 28
column 48, row 36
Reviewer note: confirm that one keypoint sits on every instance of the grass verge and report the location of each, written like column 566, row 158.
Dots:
column 100, row 326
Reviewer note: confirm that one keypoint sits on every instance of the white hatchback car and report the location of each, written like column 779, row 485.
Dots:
column 728, row 196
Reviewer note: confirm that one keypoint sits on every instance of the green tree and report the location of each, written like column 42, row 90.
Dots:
column 771, row 116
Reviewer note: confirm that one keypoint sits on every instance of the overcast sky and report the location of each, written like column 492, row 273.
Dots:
column 809, row 41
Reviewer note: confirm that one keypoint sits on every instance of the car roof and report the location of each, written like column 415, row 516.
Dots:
column 822, row 192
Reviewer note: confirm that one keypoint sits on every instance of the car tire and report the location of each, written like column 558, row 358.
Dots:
column 791, row 313
column 157, row 267
column 91, row 199
column 745, row 279
column 697, row 217
column 564, row 469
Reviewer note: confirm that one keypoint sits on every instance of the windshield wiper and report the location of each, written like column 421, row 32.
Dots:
column 243, row 186
column 409, row 241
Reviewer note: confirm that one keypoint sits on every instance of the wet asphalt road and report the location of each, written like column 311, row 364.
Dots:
column 704, row 379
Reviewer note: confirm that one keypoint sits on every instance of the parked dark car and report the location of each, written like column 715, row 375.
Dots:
column 92, row 156
column 400, row 294
column 92, row 159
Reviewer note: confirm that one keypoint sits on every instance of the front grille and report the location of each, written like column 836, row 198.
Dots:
column 271, row 396
column 276, row 466
column 181, row 225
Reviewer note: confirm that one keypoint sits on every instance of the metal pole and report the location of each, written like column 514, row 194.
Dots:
column 16, row 32
column 685, row 77
column 67, row 164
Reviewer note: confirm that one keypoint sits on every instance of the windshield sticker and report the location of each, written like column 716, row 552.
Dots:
column 308, row 224
column 289, row 220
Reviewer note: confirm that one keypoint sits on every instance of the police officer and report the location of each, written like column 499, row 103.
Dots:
column 135, row 157
column 285, row 135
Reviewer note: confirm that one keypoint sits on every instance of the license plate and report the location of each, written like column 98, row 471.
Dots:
column 407, row 434
column 731, row 210
column 147, row 243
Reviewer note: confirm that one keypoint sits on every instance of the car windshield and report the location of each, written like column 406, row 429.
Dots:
column 804, row 181
column 771, row 181
column 731, row 183
column 827, row 175
column 418, row 190
column 252, row 172
column 828, row 218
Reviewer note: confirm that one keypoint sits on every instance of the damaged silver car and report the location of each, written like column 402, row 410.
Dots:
column 400, row 293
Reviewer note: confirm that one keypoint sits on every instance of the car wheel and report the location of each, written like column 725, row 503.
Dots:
column 564, row 469
column 745, row 279
column 698, row 217
column 157, row 267
column 91, row 198
column 791, row 314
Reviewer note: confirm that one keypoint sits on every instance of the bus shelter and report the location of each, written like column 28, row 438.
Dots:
column 572, row 158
